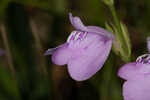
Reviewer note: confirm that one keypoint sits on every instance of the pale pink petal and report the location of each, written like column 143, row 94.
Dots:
column 77, row 23
column 90, row 61
column 134, row 71
column 61, row 55
column 100, row 31
column 137, row 89
column 86, row 41
column 128, row 71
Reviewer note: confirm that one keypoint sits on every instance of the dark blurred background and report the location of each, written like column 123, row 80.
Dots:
column 29, row 27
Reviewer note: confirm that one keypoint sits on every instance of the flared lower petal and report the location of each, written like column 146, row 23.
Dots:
column 128, row 71
column 61, row 55
column 88, row 63
column 137, row 90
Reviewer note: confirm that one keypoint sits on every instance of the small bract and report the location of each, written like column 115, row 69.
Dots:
column 85, row 50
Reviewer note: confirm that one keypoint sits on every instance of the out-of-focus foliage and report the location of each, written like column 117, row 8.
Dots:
column 33, row 26
column 121, row 44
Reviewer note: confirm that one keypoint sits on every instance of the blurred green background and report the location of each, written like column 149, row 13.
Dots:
column 30, row 27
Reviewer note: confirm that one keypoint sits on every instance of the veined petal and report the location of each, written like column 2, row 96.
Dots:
column 61, row 55
column 86, row 41
column 90, row 61
column 137, row 89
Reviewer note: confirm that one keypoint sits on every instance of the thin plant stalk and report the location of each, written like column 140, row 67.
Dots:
column 7, row 48
column 39, row 49
column 120, row 32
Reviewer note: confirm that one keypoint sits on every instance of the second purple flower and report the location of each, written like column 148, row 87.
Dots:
column 137, row 76
column 85, row 50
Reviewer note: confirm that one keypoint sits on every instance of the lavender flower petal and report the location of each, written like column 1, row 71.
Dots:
column 137, row 89
column 101, row 31
column 128, row 71
column 85, row 50
column 137, row 75
column 134, row 71
column 90, row 61
column 62, row 55
column 77, row 23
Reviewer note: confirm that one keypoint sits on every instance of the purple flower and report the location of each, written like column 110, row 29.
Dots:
column 85, row 51
column 137, row 76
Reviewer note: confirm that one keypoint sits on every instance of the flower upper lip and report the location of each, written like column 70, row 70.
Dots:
column 78, row 25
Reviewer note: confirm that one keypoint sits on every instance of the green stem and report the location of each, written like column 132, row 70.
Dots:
column 119, row 34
